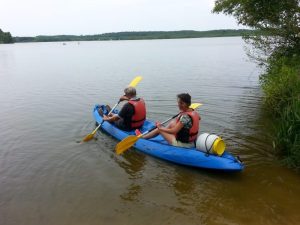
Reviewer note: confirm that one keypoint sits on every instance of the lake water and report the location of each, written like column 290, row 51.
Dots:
column 47, row 93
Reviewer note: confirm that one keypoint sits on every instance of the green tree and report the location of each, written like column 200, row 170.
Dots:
column 277, row 20
column 5, row 37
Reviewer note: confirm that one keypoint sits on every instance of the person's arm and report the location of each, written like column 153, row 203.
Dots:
column 174, row 130
column 125, row 111
column 112, row 118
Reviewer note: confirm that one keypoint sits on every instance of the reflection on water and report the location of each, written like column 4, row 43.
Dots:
column 133, row 163
column 47, row 93
column 132, row 195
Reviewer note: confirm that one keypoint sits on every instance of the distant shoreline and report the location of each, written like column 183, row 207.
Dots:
column 137, row 35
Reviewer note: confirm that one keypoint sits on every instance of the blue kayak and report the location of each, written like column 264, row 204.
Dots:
column 159, row 148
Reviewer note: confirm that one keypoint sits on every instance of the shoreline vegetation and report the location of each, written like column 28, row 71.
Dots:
column 137, row 35
column 281, row 85
column 277, row 49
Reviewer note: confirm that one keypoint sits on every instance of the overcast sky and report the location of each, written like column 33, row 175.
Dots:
column 51, row 17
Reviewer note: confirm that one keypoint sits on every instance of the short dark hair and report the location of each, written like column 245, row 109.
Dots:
column 185, row 97
column 131, row 91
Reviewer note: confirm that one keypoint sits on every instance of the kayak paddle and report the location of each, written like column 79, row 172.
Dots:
column 133, row 83
column 129, row 141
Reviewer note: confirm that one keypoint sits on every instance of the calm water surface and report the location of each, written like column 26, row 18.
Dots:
column 47, row 92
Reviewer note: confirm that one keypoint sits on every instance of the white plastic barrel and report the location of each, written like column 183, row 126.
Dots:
column 210, row 143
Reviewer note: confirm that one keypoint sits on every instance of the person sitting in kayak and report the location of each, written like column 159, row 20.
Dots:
column 133, row 113
column 183, row 130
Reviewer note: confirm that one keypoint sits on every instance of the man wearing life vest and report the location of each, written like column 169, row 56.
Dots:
column 184, row 129
column 133, row 113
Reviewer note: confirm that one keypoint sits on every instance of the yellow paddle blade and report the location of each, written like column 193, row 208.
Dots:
column 135, row 81
column 88, row 137
column 126, row 143
column 195, row 105
column 91, row 135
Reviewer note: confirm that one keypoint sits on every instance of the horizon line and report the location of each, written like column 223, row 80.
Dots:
column 133, row 32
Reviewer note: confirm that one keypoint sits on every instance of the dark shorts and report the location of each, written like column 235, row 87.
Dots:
column 120, row 124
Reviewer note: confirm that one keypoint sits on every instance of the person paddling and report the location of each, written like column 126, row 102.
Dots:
column 183, row 130
column 132, row 115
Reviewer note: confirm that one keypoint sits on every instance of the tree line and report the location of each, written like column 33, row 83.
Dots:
column 142, row 35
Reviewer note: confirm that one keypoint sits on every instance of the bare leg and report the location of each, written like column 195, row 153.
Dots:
column 108, row 109
column 156, row 131
column 168, row 137
column 151, row 134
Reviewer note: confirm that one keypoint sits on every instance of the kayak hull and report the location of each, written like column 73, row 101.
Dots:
column 159, row 148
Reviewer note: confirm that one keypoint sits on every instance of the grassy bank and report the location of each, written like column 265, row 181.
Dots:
column 281, row 84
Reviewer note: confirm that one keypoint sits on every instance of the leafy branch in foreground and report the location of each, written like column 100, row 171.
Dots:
column 277, row 21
